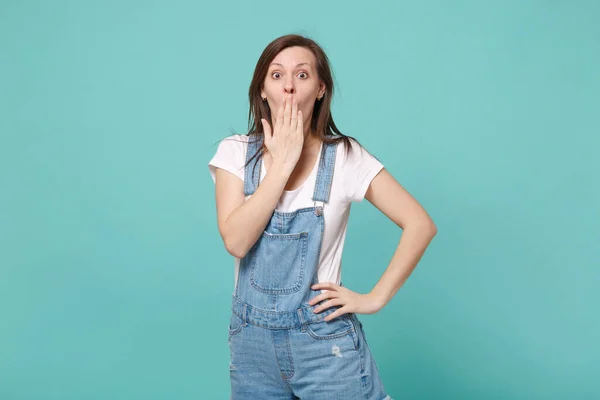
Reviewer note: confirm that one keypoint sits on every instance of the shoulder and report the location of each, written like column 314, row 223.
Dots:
column 230, row 155
column 233, row 147
column 234, row 141
column 357, row 167
column 352, row 152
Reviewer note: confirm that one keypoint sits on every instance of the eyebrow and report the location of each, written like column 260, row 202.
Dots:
column 304, row 63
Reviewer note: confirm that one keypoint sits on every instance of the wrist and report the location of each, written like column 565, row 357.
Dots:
column 378, row 298
column 283, row 169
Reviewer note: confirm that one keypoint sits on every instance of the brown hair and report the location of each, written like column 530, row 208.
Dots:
column 322, row 121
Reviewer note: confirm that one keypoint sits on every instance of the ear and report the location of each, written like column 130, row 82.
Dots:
column 321, row 89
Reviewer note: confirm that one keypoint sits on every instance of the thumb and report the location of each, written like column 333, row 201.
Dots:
column 266, row 128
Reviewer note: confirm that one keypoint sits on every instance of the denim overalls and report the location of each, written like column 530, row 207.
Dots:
column 281, row 349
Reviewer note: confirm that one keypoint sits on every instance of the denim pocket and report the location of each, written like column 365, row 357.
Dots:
column 278, row 261
column 337, row 327
column 235, row 325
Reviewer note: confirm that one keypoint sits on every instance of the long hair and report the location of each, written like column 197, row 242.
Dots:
column 321, row 122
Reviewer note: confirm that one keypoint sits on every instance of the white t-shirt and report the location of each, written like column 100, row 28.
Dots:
column 351, row 178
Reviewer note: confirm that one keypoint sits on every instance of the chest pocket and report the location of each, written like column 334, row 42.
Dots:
column 278, row 262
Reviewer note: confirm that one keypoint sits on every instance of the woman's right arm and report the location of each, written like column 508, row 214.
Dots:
column 242, row 222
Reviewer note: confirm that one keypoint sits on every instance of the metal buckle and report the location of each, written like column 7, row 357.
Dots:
column 318, row 209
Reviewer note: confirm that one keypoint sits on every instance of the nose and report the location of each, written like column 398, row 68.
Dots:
column 289, row 87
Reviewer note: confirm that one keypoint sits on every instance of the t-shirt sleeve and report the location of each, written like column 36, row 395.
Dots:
column 230, row 156
column 360, row 167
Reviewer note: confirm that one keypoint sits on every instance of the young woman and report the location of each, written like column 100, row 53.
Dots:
column 283, row 195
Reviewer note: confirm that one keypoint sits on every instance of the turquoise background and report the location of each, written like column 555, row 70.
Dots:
column 114, row 282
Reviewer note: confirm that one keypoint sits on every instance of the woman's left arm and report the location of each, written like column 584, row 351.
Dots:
column 398, row 205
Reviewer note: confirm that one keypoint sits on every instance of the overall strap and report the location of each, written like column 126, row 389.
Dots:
column 252, row 170
column 325, row 173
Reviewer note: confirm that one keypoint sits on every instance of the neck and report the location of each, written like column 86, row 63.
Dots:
column 310, row 140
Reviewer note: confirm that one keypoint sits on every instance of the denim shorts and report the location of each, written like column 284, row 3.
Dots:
column 322, row 360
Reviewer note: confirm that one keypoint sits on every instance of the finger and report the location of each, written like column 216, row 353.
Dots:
column 267, row 132
column 294, row 119
column 300, row 126
column 328, row 304
column 324, row 285
column 335, row 314
column 279, row 122
column 327, row 295
column 286, row 112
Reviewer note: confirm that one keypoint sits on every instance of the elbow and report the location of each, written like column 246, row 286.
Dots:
column 431, row 228
column 425, row 227
column 434, row 231
column 237, row 253
column 234, row 243
column 235, row 248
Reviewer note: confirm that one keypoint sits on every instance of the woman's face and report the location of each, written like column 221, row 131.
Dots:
column 293, row 71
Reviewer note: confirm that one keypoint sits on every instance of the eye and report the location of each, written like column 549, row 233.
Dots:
column 277, row 75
